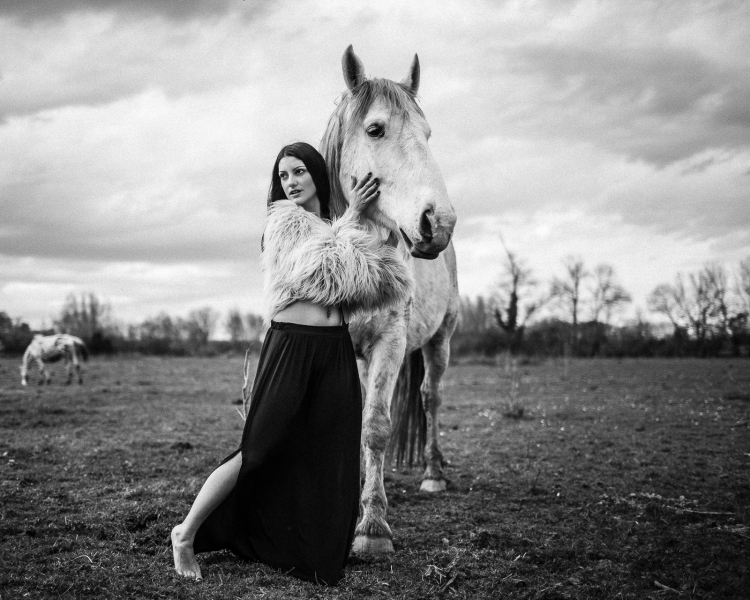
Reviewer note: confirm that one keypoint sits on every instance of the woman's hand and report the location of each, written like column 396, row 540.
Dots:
column 363, row 193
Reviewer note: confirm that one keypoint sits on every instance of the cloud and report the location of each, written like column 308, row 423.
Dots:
column 55, row 10
column 94, row 59
column 653, row 82
column 659, row 106
column 174, row 183
column 701, row 198
column 35, row 289
column 136, row 138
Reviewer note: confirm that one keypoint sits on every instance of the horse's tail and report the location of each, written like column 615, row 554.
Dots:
column 408, row 421
column 81, row 349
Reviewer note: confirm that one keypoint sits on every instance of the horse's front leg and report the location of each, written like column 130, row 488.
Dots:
column 69, row 371
column 373, row 536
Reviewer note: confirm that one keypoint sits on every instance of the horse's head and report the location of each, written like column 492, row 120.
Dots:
column 379, row 127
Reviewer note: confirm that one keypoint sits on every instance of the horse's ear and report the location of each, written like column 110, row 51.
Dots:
column 354, row 70
column 412, row 79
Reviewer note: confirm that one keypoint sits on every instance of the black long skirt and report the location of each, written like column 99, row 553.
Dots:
column 295, row 503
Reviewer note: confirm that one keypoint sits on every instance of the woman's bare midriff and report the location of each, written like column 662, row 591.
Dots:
column 304, row 312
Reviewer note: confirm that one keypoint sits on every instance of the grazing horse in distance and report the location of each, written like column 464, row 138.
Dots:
column 52, row 348
column 378, row 127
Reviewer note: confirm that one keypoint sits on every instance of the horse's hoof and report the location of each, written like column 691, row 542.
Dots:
column 365, row 546
column 432, row 485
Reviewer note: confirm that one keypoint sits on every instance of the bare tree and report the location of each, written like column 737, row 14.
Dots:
column 695, row 301
column 662, row 300
column 691, row 303
column 254, row 326
column 515, row 283
column 200, row 325
column 717, row 282
column 742, row 285
column 607, row 294
column 235, row 326
column 161, row 326
column 473, row 315
column 568, row 291
column 161, row 334
column 739, row 320
column 84, row 317
column 14, row 334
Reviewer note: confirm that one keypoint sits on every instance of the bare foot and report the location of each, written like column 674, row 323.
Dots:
column 184, row 558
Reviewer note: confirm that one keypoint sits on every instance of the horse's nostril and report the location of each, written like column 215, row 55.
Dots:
column 425, row 226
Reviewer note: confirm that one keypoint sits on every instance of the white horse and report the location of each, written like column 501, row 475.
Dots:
column 378, row 127
column 52, row 348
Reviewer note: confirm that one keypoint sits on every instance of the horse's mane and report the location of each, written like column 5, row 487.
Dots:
column 397, row 97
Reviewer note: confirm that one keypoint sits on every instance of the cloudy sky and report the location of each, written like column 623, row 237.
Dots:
column 137, row 137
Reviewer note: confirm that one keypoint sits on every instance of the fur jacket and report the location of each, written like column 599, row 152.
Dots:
column 306, row 258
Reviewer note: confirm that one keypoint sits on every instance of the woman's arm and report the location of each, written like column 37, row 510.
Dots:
column 380, row 275
column 306, row 259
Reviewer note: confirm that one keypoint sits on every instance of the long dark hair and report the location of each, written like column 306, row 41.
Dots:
column 316, row 166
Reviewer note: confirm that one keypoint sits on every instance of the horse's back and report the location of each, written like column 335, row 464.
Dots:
column 50, row 348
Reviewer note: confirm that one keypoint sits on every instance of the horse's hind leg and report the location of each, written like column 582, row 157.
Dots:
column 436, row 354
column 77, row 366
column 44, row 376
column 69, row 371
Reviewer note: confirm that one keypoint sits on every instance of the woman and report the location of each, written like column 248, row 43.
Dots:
column 288, row 496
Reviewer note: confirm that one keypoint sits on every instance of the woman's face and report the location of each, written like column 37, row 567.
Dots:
column 298, row 184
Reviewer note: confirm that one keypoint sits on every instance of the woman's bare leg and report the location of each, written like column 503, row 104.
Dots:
column 216, row 488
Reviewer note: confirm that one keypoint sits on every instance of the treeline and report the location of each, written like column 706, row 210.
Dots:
column 91, row 319
column 178, row 336
column 706, row 314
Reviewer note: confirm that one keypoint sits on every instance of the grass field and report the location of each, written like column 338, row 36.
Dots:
column 620, row 479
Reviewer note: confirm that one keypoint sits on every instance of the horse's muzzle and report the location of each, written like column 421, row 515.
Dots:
column 424, row 250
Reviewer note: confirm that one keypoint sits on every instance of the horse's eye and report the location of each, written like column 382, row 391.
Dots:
column 376, row 130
